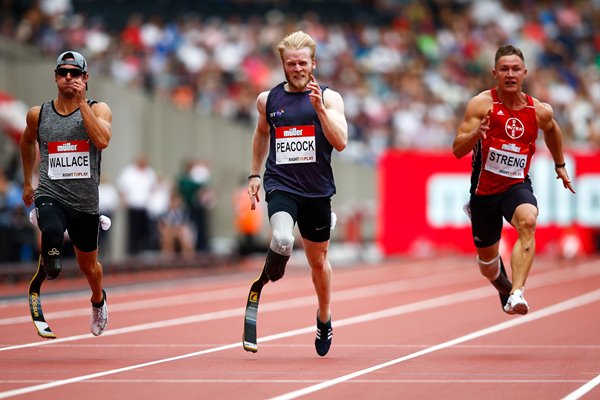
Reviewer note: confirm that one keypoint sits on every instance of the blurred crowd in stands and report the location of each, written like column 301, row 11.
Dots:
column 404, row 68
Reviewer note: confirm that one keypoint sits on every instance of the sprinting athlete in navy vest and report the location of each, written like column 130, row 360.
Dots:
column 299, row 124
column 500, row 126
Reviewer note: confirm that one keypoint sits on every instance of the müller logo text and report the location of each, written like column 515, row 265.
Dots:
column 292, row 132
column 66, row 147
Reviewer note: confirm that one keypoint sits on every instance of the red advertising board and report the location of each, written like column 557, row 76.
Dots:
column 421, row 196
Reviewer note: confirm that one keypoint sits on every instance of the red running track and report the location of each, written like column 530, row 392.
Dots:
column 403, row 329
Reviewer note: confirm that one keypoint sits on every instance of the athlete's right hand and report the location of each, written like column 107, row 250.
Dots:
column 481, row 131
column 28, row 193
column 253, row 190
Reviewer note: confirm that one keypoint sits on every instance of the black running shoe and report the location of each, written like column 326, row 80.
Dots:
column 324, row 335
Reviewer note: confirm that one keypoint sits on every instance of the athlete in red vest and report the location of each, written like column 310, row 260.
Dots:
column 500, row 126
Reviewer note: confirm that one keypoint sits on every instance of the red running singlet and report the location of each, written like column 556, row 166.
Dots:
column 504, row 157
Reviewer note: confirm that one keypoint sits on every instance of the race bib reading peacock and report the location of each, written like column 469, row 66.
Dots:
column 69, row 160
column 295, row 144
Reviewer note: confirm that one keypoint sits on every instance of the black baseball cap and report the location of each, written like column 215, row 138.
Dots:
column 72, row 58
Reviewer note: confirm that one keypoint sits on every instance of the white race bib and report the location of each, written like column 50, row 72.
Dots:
column 295, row 144
column 506, row 162
column 69, row 160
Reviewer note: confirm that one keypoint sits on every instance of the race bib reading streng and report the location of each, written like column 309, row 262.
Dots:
column 507, row 160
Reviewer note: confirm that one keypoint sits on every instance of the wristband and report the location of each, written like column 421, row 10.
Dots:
column 253, row 176
column 556, row 166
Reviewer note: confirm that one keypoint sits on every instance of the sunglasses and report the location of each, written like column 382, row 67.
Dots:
column 75, row 72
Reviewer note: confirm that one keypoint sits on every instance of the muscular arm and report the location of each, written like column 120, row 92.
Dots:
column 260, row 147
column 553, row 139
column 29, row 146
column 329, row 106
column 97, row 120
column 474, row 125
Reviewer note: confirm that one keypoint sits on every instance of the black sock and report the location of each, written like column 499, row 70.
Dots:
column 99, row 305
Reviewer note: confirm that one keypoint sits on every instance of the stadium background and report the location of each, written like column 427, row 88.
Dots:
column 398, row 44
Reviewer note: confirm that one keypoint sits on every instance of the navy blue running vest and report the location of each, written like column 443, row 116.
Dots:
column 310, row 179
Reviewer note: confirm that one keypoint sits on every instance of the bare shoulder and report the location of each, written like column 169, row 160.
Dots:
column 543, row 110
column 480, row 104
column 330, row 97
column 33, row 116
column 102, row 109
column 261, row 101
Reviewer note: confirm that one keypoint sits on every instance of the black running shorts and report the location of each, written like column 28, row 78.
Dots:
column 312, row 214
column 82, row 227
column 487, row 212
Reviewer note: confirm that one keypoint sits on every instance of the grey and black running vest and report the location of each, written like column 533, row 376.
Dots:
column 306, row 167
column 69, row 160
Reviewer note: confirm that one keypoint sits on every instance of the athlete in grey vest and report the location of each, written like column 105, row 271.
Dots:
column 70, row 132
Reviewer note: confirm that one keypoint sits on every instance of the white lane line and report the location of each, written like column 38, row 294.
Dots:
column 583, row 390
column 556, row 276
column 146, row 304
column 401, row 285
column 238, row 292
column 53, row 384
column 354, row 381
column 349, row 294
column 571, row 347
column 578, row 301
column 458, row 297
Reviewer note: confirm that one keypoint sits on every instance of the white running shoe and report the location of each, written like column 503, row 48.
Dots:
column 516, row 303
column 99, row 317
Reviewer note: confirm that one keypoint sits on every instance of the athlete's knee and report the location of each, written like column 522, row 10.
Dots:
column 528, row 223
column 53, row 234
column 525, row 220
column 275, row 265
column 489, row 268
column 282, row 243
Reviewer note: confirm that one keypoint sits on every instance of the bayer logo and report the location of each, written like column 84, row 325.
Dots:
column 514, row 128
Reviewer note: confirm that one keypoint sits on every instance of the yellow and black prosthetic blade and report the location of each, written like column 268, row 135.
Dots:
column 250, row 317
column 35, row 303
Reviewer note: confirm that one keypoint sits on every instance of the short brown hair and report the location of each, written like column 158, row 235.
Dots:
column 298, row 40
column 508, row 50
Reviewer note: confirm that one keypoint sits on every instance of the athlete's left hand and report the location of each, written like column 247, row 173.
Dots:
column 561, row 173
column 79, row 89
column 316, row 95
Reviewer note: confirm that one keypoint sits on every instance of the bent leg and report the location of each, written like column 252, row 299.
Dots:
column 282, row 244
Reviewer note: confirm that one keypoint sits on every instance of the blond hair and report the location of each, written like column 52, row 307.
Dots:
column 297, row 40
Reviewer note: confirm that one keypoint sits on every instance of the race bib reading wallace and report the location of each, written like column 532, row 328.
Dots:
column 69, row 160
column 295, row 144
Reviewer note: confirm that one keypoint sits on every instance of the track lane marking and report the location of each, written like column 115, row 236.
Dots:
column 277, row 381
column 348, row 294
column 394, row 311
column 566, row 305
column 422, row 282
column 583, row 390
